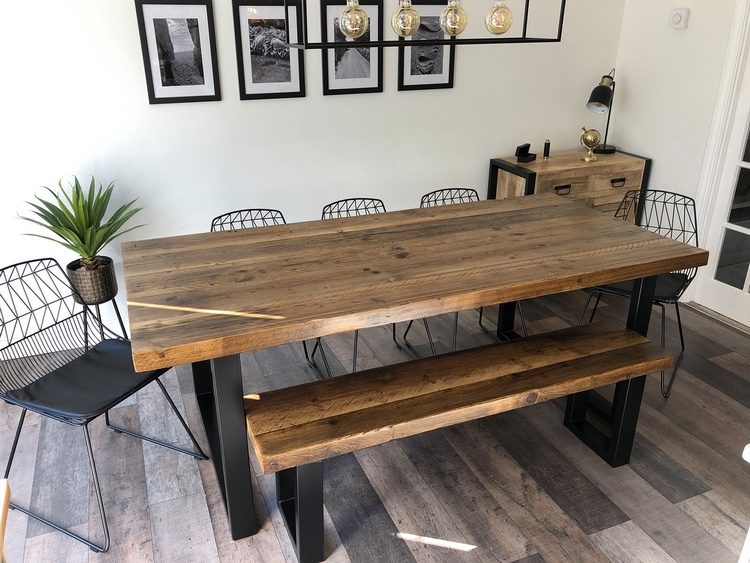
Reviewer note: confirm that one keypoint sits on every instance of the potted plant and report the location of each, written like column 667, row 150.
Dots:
column 78, row 221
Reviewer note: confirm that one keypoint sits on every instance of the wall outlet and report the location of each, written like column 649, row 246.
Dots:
column 678, row 18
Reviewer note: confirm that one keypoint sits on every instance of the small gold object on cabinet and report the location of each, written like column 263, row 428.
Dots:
column 590, row 140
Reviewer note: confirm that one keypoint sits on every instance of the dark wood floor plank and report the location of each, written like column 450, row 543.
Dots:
column 581, row 500
column 663, row 522
column 722, row 475
column 411, row 504
column 663, row 473
column 555, row 535
column 734, row 362
column 61, row 478
column 478, row 516
column 362, row 522
column 686, row 414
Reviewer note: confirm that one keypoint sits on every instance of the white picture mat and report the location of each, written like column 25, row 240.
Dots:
column 332, row 13
column 266, row 13
column 157, row 11
column 421, row 79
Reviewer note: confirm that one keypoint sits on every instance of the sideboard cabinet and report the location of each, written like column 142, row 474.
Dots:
column 600, row 184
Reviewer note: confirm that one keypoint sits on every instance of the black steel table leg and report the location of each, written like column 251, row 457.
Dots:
column 506, row 318
column 218, row 389
column 622, row 413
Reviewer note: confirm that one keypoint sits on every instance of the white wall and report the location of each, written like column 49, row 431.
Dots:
column 75, row 102
column 667, row 82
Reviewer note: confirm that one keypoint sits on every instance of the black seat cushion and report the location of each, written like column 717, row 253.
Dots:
column 86, row 387
column 667, row 286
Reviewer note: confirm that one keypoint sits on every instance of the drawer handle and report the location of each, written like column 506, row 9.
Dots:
column 617, row 182
column 562, row 190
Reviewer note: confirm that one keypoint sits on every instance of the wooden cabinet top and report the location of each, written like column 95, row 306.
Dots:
column 566, row 161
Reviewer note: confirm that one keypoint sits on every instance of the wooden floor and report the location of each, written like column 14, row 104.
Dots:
column 516, row 487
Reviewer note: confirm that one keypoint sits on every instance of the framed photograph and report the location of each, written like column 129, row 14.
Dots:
column 179, row 50
column 351, row 70
column 426, row 66
column 267, row 67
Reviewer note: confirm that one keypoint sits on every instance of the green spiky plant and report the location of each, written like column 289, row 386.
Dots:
column 78, row 219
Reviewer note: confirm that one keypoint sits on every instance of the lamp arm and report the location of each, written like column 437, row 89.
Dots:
column 609, row 113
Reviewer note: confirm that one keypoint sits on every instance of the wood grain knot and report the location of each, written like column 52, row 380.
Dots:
column 532, row 398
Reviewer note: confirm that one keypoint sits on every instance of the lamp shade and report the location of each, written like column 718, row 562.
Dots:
column 600, row 99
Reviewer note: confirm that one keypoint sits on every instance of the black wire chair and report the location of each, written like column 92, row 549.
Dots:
column 450, row 196
column 246, row 218
column 671, row 215
column 351, row 207
column 59, row 361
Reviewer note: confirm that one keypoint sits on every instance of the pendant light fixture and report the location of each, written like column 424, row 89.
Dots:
column 499, row 18
column 353, row 21
column 453, row 19
column 405, row 20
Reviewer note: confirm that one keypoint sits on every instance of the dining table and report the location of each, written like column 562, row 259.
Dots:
column 204, row 299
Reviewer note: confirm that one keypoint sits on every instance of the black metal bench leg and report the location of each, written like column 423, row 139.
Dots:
column 299, row 492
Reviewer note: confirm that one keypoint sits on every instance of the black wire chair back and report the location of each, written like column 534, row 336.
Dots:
column 668, row 214
column 246, row 218
column 42, row 327
column 449, row 196
column 352, row 207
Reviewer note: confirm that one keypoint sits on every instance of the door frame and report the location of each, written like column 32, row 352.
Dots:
column 725, row 110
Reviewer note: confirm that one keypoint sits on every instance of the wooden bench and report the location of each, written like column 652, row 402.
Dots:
column 294, row 428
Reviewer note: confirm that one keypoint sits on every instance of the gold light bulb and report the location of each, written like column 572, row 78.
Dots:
column 405, row 20
column 453, row 18
column 499, row 18
column 353, row 21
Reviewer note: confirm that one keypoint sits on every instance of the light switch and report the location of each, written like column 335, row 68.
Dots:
column 678, row 18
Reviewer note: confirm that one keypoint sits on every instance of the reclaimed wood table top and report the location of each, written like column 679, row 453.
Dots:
column 208, row 295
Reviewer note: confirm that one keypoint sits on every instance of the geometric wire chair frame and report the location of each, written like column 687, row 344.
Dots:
column 671, row 215
column 351, row 207
column 42, row 331
column 246, row 218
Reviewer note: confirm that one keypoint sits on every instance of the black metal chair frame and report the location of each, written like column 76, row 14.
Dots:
column 350, row 207
column 246, row 218
column 448, row 196
column 672, row 215
column 49, row 339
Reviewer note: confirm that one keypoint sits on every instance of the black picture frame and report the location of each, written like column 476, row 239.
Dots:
column 418, row 66
column 280, row 70
column 335, row 80
column 173, row 78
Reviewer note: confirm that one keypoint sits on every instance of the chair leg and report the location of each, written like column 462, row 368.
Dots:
column 198, row 454
column 666, row 392
column 92, row 466
column 455, row 333
column 523, row 318
column 407, row 348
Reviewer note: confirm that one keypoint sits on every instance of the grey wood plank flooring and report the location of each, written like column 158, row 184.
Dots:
column 519, row 487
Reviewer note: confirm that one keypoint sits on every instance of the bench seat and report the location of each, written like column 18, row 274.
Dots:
column 298, row 425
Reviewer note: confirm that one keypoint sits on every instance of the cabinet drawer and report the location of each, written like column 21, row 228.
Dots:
column 563, row 186
column 621, row 181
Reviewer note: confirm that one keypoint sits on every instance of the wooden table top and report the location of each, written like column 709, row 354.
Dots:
column 203, row 296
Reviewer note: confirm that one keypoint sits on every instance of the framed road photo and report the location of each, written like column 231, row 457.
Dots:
column 426, row 67
column 179, row 50
column 351, row 70
column 267, row 67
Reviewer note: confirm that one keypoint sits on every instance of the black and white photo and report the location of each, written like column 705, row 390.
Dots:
column 179, row 50
column 423, row 67
column 352, row 69
column 267, row 67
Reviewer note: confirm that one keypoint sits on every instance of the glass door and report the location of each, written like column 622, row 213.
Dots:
column 724, row 285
